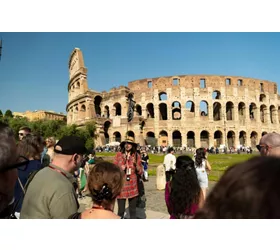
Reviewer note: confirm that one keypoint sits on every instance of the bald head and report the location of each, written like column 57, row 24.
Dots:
column 270, row 144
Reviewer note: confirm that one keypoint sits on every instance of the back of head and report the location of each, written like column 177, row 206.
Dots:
column 26, row 129
column 185, row 189
column 200, row 154
column 170, row 150
column 249, row 190
column 31, row 146
column 105, row 182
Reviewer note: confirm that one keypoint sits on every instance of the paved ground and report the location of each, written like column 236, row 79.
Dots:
column 155, row 205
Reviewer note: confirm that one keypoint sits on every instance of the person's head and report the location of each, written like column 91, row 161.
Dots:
column 69, row 151
column 50, row 142
column 23, row 131
column 200, row 154
column 248, row 190
column 270, row 145
column 185, row 189
column 170, row 150
column 105, row 182
column 8, row 160
column 31, row 147
column 128, row 145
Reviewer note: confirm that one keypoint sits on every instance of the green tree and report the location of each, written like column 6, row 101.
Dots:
column 8, row 114
column 1, row 114
column 17, row 122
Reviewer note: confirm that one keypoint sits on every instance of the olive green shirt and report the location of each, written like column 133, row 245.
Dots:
column 50, row 195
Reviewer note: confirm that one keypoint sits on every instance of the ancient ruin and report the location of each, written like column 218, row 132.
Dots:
column 183, row 110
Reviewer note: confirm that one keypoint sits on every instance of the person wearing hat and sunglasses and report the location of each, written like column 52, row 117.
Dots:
column 270, row 145
column 130, row 162
column 51, row 193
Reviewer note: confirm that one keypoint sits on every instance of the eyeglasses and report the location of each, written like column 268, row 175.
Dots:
column 21, row 161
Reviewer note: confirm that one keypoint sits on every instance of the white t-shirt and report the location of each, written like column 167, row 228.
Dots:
column 169, row 162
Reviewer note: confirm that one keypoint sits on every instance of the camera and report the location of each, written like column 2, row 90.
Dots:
column 128, row 178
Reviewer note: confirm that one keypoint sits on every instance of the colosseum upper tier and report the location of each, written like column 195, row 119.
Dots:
column 183, row 110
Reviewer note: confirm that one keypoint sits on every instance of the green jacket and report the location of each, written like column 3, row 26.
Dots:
column 50, row 195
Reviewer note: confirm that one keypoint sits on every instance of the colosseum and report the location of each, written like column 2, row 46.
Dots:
column 181, row 110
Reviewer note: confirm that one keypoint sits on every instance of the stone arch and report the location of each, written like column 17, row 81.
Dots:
column 254, row 139
column 176, row 110
column 203, row 107
column 262, row 98
column 217, row 111
column 231, row 139
column 107, row 111
column 130, row 133
column 204, row 139
column 229, row 111
column 261, row 87
column 118, row 109
column 163, row 138
column 117, row 136
column 163, row 111
column 97, row 105
column 78, row 85
column 241, row 111
column 82, row 113
column 107, row 125
column 272, row 114
column 177, row 138
column 242, row 138
column 264, row 133
column 218, row 138
column 279, row 114
column 162, row 96
column 138, row 109
column 191, row 139
column 263, row 110
column 216, row 95
column 151, row 139
column 190, row 109
column 150, row 110
column 252, row 111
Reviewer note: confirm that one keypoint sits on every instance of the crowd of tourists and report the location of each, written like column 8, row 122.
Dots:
column 46, row 178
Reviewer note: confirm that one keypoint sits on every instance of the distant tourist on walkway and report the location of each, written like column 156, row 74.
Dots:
column 105, row 182
column 183, row 195
column 145, row 163
column 248, row 190
column 202, row 166
column 130, row 162
column 51, row 193
column 169, row 163
column 270, row 145
column 23, row 131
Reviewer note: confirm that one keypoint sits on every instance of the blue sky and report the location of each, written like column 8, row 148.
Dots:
column 34, row 66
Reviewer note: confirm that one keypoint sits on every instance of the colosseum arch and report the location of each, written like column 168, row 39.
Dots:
column 118, row 109
column 230, row 139
column 177, row 138
column 162, row 96
column 163, row 138
column 241, row 112
column 78, row 85
column 176, row 111
column 204, row 139
column 263, row 111
column 191, row 139
column 254, row 139
column 218, row 138
column 107, row 111
column 253, row 111
column 150, row 110
column 117, row 136
column 151, row 139
column 262, row 98
column 279, row 114
column 261, row 87
column 130, row 133
column 107, row 125
column 229, row 111
column 203, row 110
column 190, row 109
column 264, row 133
column 217, row 111
column 82, row 113
column 216, row 95
column 138, row 109
column 163, row 111
column 242, row 138
column 272, row 114
column 97, row 105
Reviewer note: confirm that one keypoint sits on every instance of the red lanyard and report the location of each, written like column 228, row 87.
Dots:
column 57, row 170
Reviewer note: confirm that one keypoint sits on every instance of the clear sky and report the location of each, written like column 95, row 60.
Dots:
column 34, row 66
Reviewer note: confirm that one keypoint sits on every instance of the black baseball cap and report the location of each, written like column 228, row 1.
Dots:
column 69, row 145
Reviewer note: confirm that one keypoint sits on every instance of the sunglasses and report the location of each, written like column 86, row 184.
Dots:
column 20, row 134
column 23, row 161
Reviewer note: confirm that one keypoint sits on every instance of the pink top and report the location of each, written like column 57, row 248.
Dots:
column 194, row 207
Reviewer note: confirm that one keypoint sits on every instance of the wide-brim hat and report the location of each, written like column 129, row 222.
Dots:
column 130, row 140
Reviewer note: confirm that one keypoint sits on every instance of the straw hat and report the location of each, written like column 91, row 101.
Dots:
column 130, row 140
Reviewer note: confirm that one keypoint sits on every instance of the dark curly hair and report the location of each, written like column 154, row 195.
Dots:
column 185, row 189
column 199, row 156
column 248, row 190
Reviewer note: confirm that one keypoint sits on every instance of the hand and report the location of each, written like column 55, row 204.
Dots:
column 123, row 167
